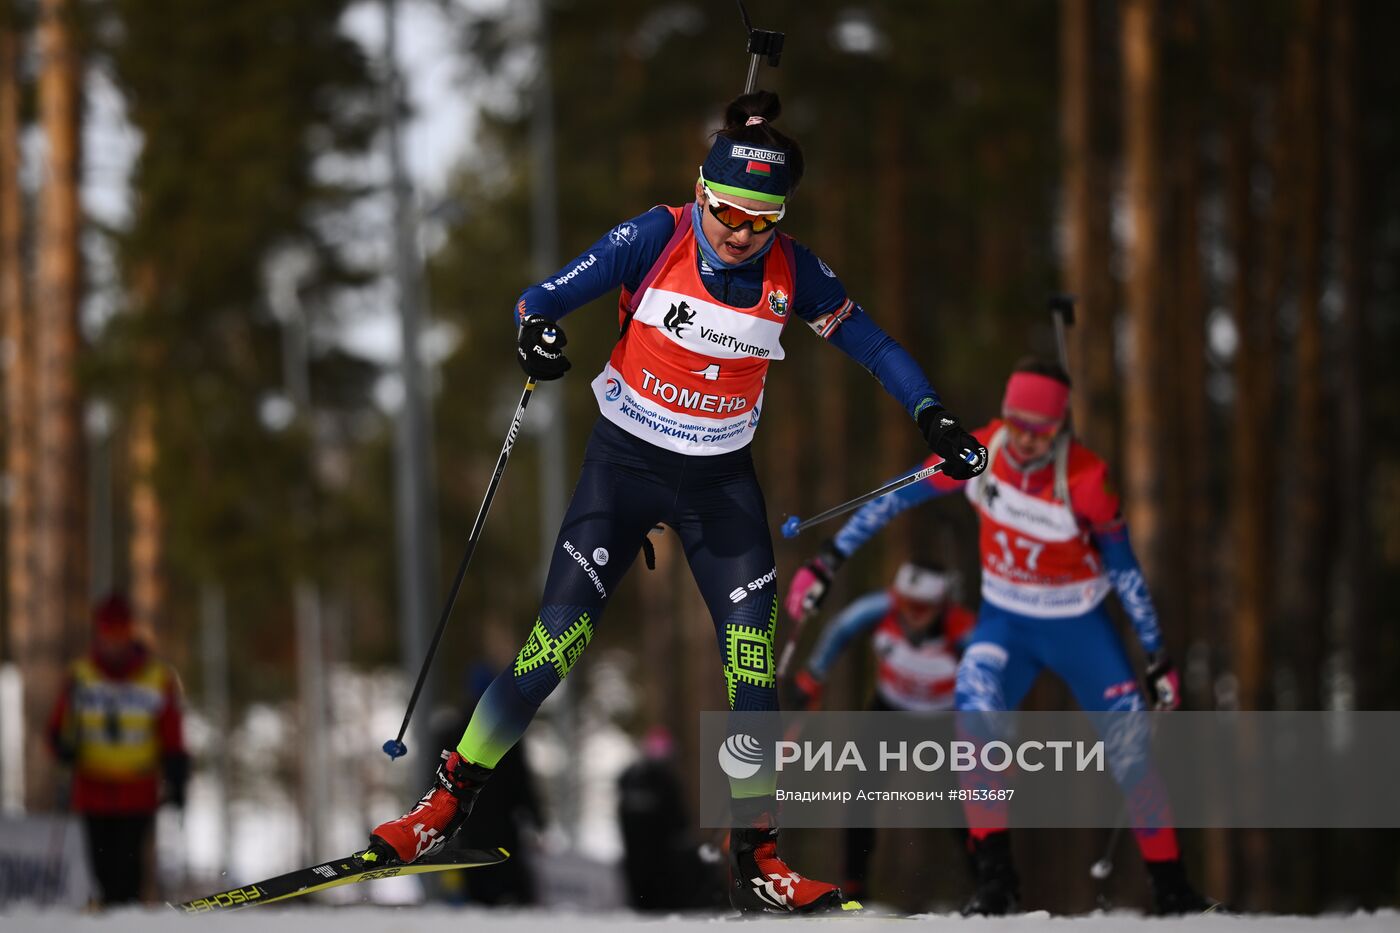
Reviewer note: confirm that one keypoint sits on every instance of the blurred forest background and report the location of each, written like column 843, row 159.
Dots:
column 190, row 411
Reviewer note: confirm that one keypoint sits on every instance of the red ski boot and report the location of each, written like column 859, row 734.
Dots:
column 760, row 881
column 426, row 828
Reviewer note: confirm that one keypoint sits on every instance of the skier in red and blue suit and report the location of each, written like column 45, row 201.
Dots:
column 707, row 289
column 1053, row 543
column 917, row 633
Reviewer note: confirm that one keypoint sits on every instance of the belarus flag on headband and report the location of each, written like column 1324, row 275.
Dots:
column 760, row 168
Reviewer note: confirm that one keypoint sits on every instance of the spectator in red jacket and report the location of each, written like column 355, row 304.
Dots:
column 117, row 723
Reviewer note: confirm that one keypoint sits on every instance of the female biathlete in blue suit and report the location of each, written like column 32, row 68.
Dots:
column 706, row 291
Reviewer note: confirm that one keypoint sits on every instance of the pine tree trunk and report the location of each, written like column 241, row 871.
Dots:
column 1143, row 446
column 61, row 590
column 147, row 542
column 1310, row 487
column 1252, row 359
column 1190, row 606
column 1086, row 263
column 1261, row 345
column 1258, row 288
column 18, row 358
column 1359, row 633
column 1363, row 862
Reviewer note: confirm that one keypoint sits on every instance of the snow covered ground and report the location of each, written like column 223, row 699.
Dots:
column 434, row 920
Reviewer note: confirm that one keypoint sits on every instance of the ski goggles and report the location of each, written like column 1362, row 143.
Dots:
column 1033, row 426
column 735, row 217
column 916, row 608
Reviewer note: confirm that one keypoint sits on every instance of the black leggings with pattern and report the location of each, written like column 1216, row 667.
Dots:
column 627, row 486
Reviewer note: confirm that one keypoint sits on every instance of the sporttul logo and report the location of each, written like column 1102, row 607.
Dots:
column 572, row 274
column 740, row 756
column 740, row 593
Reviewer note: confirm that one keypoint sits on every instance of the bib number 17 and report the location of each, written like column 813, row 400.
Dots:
column 1032, row 549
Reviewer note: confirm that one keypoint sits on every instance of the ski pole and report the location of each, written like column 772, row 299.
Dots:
column 395, row 748
column 1062, row 311
column 786, row 657
column 794, row 526
column 1101, row 869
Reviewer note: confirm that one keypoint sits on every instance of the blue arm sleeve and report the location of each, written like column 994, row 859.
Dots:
column 621, row 256
column 822, row 302
column 862, row 340
column 1125, row 574
column 876, row 514
column 859, row 616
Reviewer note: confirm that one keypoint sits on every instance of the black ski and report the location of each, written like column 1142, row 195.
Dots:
column 362, row 866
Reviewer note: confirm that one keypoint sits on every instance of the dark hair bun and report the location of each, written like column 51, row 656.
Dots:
column 763, row 104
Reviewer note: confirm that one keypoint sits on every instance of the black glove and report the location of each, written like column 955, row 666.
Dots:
column 948, row 439
column 803, row 692
column 177, row 778
column 64, row 749
column 540, row 348
column 1163, row 683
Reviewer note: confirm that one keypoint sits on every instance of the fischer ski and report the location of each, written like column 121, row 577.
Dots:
column 367, row 865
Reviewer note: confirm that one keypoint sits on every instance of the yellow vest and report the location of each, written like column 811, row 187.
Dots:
column 117, row 721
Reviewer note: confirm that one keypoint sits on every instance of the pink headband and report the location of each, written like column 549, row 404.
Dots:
column 1035, row 394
